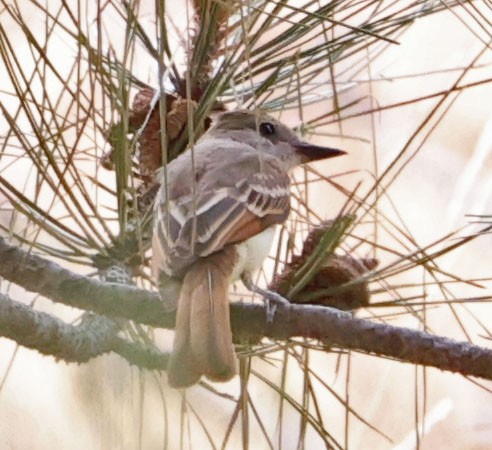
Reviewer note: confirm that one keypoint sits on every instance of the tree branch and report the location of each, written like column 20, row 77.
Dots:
column 51, row 336
column 36, row 274
column 346, row 332
column 335, row 329
column 95, row 336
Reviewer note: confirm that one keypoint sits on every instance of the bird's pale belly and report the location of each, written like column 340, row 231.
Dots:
column 252, row 253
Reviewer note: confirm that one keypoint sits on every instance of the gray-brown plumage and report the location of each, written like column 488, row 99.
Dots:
column 214, row 221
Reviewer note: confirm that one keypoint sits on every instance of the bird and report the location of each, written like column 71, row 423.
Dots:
column 215, row 215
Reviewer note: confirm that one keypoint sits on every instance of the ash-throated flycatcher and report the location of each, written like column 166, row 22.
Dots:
column 214, row 222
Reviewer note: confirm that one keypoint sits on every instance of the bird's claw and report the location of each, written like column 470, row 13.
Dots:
column 271, row 299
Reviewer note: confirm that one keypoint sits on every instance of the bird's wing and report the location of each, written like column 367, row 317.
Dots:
column 235, row 199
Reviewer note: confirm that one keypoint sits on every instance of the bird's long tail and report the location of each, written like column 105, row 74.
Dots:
column 203, row 339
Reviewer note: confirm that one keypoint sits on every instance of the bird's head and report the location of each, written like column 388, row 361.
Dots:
column 267, row 134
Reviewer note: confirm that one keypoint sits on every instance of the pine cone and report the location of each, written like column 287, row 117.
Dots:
column 327, row 282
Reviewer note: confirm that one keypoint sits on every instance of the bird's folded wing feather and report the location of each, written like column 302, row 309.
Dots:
column 235, row 199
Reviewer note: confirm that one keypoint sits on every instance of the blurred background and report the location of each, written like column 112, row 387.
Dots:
column 414, row 116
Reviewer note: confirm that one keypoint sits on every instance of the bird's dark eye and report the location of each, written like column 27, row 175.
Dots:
column 267, row 129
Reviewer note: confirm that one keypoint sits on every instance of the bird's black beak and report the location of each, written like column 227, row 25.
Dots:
column 315, row 152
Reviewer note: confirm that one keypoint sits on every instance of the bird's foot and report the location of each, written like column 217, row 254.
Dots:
column 271, row 299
